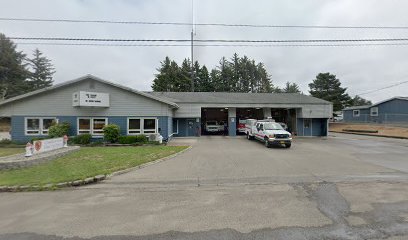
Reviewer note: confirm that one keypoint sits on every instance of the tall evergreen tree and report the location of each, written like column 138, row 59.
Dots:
column 184, row 82
column 167, row 78
column 42, row 71
column 13, row 71
column 326, row 86
column 291, row 88
column 205, row 80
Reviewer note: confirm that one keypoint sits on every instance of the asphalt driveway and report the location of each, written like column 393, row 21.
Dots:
column 341, row 187
column 225, row 160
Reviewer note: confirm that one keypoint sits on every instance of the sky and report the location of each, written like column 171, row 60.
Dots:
column 360, row 69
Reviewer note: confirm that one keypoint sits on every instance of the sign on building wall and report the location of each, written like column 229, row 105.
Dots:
column 47, row 145
column 90, row 99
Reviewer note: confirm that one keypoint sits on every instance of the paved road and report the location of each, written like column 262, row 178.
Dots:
column 342, row 187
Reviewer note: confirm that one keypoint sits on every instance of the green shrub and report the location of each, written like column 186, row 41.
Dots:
column 58, row 130
column 97, row 143
column 82, row 139
column 5, row 141
column 111, row 133
column 39, row 138
column 132, row 139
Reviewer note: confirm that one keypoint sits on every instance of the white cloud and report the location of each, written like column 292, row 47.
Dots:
column 359, row 68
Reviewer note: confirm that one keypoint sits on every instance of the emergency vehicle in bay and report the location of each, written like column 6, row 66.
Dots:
column 269, row 132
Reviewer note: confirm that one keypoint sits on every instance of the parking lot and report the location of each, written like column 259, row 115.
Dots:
column 340, row 187
column 225, row 160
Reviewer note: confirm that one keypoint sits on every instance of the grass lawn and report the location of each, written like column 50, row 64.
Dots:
column 87, row 162
column 10, row 151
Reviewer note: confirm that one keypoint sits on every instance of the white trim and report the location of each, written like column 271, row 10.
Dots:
column 40, row 126
column 376, row 112
column 127, row 126
column 356, row 113
column 142, row 130
column 91, row 125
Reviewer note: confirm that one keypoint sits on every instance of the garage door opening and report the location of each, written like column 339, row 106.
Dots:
column 213, row 121
column 286, row 116
column 247, row 113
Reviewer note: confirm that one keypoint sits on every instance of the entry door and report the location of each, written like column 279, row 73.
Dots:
column 191, row 130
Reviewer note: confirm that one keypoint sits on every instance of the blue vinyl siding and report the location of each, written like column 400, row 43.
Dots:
column 232, row 126
column 183, row 129
column 18, row 134
column 393, row 111
column 317, row 128
column 348, row 115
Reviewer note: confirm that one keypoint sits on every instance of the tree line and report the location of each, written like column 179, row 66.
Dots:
column 20, row 74
column 242, row 74
column 238, row 74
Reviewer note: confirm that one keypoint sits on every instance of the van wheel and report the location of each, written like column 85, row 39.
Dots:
column 267, row 143
column 249, row 137
column 288, row 145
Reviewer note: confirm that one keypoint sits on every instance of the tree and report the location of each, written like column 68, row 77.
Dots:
column 234, row 75
column 326, row 86
column 42, row 71
column 184, row 81
column 167, row 78
column 291, row 88
column 13, row 71
column 359, row 101
column 204, row 80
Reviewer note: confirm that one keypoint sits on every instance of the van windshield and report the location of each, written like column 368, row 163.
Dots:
column 272, row 126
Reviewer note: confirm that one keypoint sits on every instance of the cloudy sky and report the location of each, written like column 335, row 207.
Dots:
column 361, row 68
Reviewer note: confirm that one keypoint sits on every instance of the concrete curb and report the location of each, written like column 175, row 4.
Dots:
column 364, row 134
column 80, row 182
column 52, row 186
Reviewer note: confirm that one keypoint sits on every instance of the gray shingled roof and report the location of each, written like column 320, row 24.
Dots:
column 357, row 107
column 227, row 97
column 376, row 104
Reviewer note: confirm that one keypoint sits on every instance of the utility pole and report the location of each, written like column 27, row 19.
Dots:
column 192, row 61
column 192, row 45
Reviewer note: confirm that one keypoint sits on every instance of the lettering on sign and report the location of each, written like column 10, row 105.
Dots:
column 48, row 145
column 90, row 99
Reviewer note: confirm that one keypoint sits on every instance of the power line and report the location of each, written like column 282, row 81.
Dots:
column 376, row 90
column 199, row 24
column 210, row 40
column 210, row 45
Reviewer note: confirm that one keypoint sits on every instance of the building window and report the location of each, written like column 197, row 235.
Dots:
column 142, row 126
column 32, row 126
column 149, row 125
column 175, row 126
column 84, row 125
column 306, row 123
column 38, row 125
column 97, row 125
column 374, row 111
column 46, row 124
column 134, row 126
column 356, row 113
column 92, row 126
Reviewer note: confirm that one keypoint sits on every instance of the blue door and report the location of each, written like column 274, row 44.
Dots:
column 191, row 129
column 307, row 127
